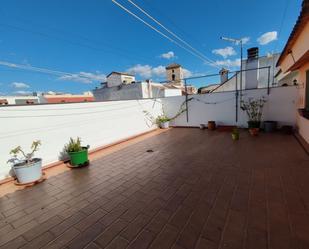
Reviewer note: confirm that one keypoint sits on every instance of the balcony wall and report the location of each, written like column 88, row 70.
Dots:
column 103, row 123
column 303, row 127
column 97, row 123
column 221, row 107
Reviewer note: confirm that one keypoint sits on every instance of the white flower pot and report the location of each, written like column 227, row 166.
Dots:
column 165, row 125
column 27, row 173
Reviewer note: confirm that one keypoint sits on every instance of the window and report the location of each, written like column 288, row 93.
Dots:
column 173, row 77
column 29, row 102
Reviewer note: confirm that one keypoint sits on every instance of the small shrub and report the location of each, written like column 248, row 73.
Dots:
column 253, row 108
column 74, row 145
column 24, row 157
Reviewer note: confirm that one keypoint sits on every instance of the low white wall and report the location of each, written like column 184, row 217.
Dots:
column 102, row 123
column 303, row 127
column 220, row 107
column 97, row 123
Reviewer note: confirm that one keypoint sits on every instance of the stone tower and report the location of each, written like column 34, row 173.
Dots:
column 174, row 74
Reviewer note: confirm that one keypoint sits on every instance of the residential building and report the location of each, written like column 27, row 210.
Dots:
column 52, row 98
column 19, row 100
column 295, row 58
column 258, row 72
column 46, row 98
column 119, row 78
column 122, row 86
column 134, row 90
column 208, row 89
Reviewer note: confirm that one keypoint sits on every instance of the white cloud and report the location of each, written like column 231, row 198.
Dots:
column 187, row 73
column 224, row 52
column 147, row 71
column 19, row 85
column 23, row 93
column 245, row 40
column 169, row 55
column 84, row 77
column 267, row 37
column 228, row 63
column 159, row 71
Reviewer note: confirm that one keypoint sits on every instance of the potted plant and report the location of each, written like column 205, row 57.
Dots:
column 235, row 134
column 211, row 125
column 78, row 154
column 163, row 121
column 26, row 168
column 254, row 110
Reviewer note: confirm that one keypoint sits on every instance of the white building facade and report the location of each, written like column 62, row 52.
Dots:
column 258, row 72
column 122, row 86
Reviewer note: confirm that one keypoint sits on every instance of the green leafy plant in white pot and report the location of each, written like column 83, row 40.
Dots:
column 27, row 169
column 163, row 120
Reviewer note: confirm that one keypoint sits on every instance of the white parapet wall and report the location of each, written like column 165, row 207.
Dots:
column 103, row 123
column 303, row 127
column 221, row 107
column 97, row 123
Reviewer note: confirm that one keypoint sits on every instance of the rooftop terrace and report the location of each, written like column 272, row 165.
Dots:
column 197, row 189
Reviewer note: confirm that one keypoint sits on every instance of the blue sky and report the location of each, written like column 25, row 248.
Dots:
column 89, row 39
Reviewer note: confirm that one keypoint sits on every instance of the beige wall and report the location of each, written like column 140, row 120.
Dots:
column 302, row 85
column 302, row 123
column 126, row 79
column 300, row 47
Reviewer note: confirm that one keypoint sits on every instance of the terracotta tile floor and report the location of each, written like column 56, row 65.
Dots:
column 197, row 189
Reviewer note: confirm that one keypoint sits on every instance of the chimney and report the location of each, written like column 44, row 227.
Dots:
column 253, row 53
column 224, row 75
column 251, row 65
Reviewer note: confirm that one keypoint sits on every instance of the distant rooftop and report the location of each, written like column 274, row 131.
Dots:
column 173, row 65
column 120, row 73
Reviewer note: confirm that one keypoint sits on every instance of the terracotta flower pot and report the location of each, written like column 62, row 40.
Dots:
column 254, row 131
column 211, row 125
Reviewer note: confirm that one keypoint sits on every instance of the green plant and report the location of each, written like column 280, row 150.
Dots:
column 164, row 118
column 235, row 131
column 74, row 145
column 253, row 108
column 25, row 157
column 235, row 134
